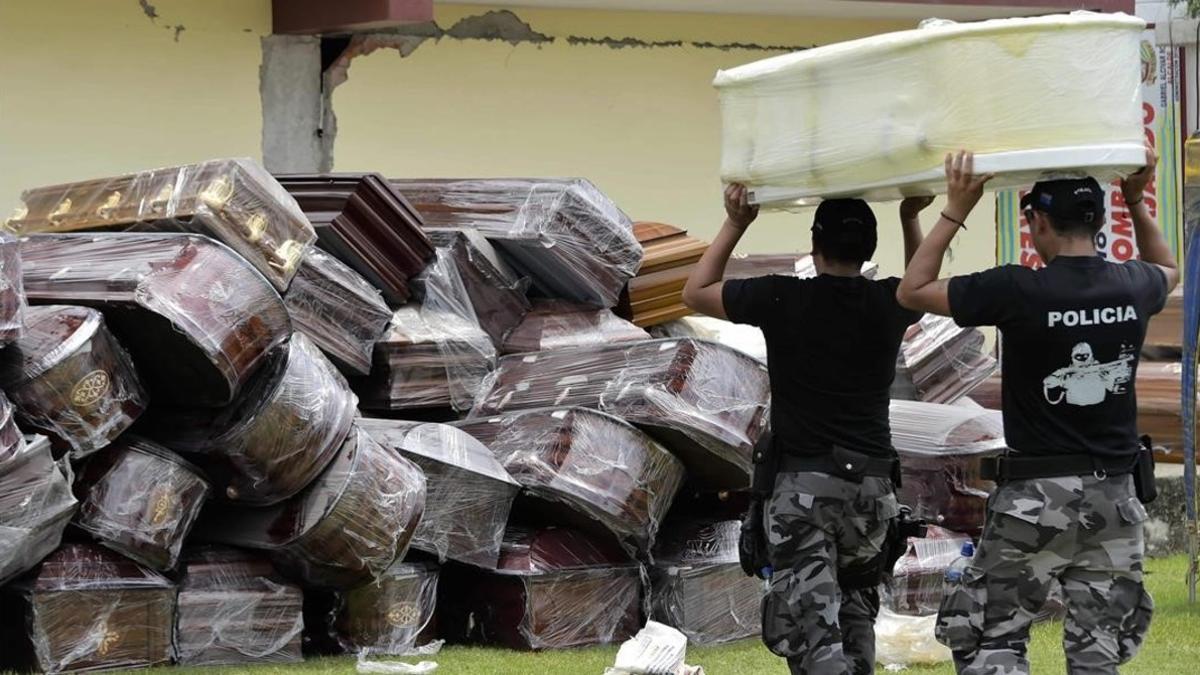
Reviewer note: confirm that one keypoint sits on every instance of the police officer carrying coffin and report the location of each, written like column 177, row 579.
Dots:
column 830, row 513
column 1068, row 503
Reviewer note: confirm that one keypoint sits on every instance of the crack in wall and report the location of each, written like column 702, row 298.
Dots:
column 148, row 9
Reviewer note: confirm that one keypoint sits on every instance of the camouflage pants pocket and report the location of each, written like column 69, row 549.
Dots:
column 960, row 618
column 780, row 630
column 1133, row 630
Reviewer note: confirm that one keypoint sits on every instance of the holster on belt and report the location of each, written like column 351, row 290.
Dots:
column 752, row 543
column 1143, row 472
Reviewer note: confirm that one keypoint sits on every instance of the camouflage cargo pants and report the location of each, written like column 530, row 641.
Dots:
column 817, row 524
column 1084, row 531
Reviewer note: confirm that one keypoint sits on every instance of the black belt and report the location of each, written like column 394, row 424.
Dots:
column 842, row 463
column 1004, row 469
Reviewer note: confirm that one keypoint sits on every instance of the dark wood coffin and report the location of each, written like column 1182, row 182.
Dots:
column 468, row 493
column 367, row 224
column 564, row 234
column 232, row 200
column 555, row 588
column 596, row 465
column 468, row 272
column 235, row 609
column 345, row 529
column 706, row 402
column 71, row 380
column 698, row 585
column 338, row 309
column 557, row 324
column 12, row 290
column 86, row 608
column 281, row 432
column 393, row 614
column 197, row 319
column 915, row 586
column 940, row 362
column 941, row 449
column 36, row 504
column 140, row 500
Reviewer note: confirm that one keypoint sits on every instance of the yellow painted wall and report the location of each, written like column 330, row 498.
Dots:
column 643, row 123
column 96, row 87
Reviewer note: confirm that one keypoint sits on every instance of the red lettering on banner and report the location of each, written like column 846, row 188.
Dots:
column 1031, row 259
column 1122, row 249
column 1147, row 114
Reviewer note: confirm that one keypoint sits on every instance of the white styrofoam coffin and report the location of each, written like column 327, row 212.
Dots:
column 875, row 117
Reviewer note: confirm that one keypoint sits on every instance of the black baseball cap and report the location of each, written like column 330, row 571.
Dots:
column 1074, row 200
column 846, row 221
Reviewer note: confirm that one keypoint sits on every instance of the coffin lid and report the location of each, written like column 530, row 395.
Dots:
column 532, row 551
column 439, row 442
column 82, row 567
column 52, row 333
column 698, row 542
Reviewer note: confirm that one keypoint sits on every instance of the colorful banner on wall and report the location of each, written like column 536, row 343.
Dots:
column 1161, row 115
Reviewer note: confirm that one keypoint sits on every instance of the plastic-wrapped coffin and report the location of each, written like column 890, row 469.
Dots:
column 554, row 588
column 941, row 448
column 70, row 379
column 12, row 290
column 86, row 608
column 233, row 200
column 479, row 280
column 345, row 529
column 11, row 439
column 36, row 504
column 599, row 466
column 555, row 324
column 281, row 432
column 942, row 362
column 564, row 234
column 197, row 319
column 338, row 309
column 468, row 493
column 704, row 401
column 235, row 609
column 367, row 224
column 140, row 500
column 698, row 583
column 915, row 587
column 394, row 613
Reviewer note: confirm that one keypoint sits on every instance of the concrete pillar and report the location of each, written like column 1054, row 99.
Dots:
column 293, row 105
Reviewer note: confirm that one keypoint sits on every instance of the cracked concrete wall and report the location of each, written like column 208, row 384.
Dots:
column 95, row 88
column 293, row 105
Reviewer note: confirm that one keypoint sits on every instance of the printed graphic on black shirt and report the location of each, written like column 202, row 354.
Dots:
column 1086, row 381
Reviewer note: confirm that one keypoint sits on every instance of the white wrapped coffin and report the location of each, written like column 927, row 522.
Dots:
column 1032, row 97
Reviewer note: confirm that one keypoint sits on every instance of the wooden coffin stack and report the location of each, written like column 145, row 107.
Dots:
column 940, row 362
column 596, row 465
column 469, row 494
column 470, row 274
column 556, row 324
column 915, row 587
column 1164, row 334
column 392, row 615
column 655, row 295
column 36, row 502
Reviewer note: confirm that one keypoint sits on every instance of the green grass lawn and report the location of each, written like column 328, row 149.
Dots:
column 1173, row 647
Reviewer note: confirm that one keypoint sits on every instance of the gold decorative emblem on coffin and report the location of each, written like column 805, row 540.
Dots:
column 61, row 211
column 109, row 639
column 19, row 214
column 90, row 388
column 162, row 506
column 255, row 226
column 217, row 193
column 403, row 614
column 287, row 256
column 106, row 209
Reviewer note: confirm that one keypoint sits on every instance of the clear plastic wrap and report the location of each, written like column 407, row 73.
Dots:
column 197, row 319
column 12, row 289
column 337, row 309
column 705, row 402
column 367, row 224
column 36, row 504
column 85, row 609
column 394, row 614
column 941, row 448
column 281, row 432
column 468, row 493
column 903, row 640
column 655, row 295
column 875, row 117
column 915, row 586
column 69, row 378
column 234, row 609
column 496, row 295
column 563, row 233
column 140, row 500
column 555, row 588
column 596, row 465
column 232, row 200
column 11, row 439
column 698, row 583
column 941, row 361
column 345, row 529
column 746, row 339
column 556, row 324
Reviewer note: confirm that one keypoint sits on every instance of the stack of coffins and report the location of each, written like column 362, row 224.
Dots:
column 698, row 583
column 345, row 529
column 234, row 609
column 915, row 586
column 655, row 295
column 494, row 293
column 468, row 492
column 71, row 380
column 393, row 614
column 86, row 608
column 140, row 500
column 283, row 429
column 940, row 362
column 597, row 465
column 12, row 290
column 367, row 224
column 36, row 502
column 232, row 200
column 553, row 588
column 564, row 234
column 556, row 324
column 941, row 449
column 1164, row 334
column 704, row 401
column 338, row 309
column 197, row 319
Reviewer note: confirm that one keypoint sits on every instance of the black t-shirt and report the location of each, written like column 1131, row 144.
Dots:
column 1072, row 333
column 831, row 352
